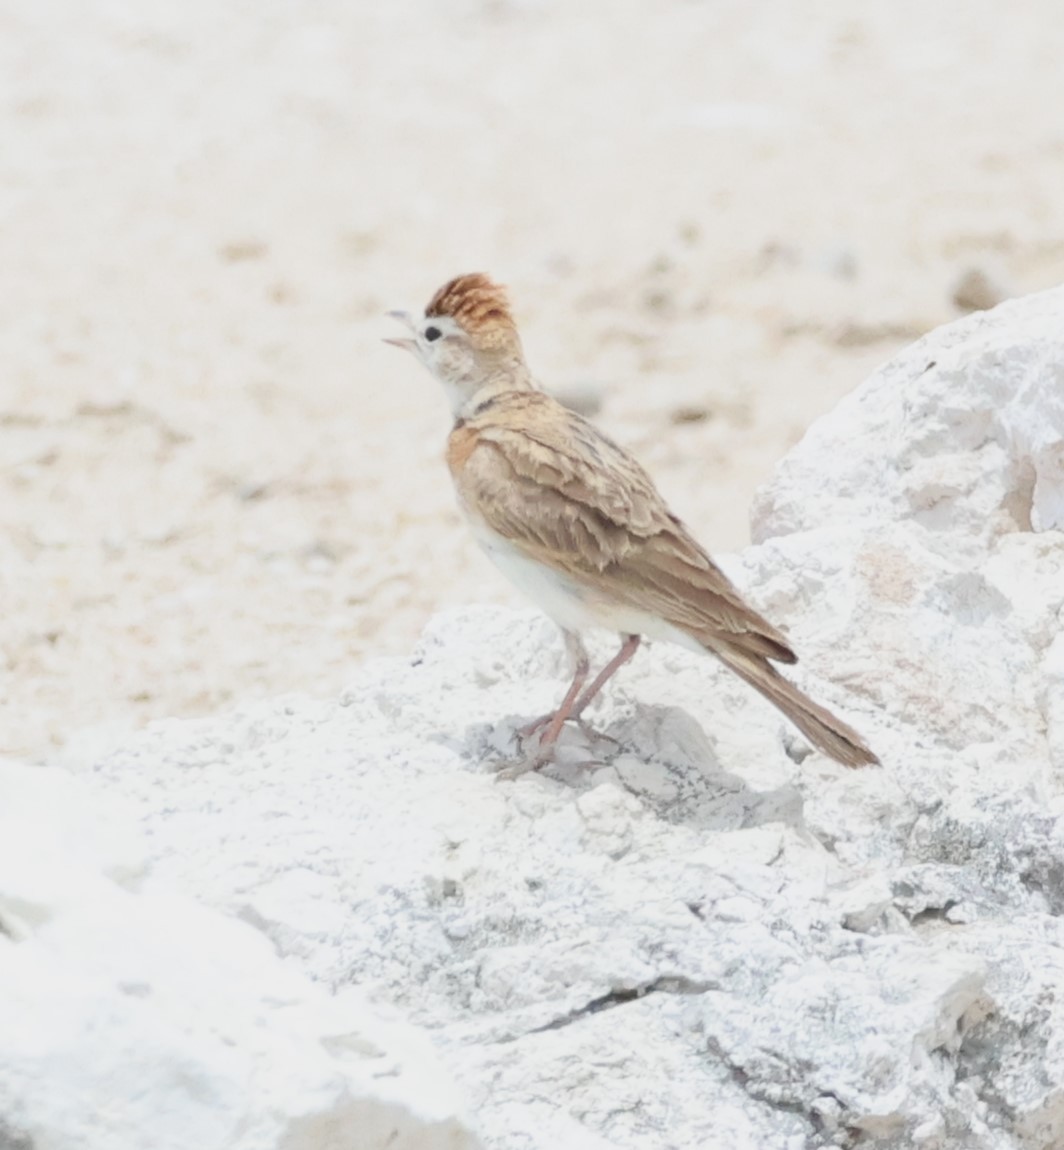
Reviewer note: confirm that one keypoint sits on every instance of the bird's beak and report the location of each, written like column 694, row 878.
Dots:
column 404, row 342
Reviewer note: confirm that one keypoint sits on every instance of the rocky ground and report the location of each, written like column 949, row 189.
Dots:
column 699, row 936
column 217, row 484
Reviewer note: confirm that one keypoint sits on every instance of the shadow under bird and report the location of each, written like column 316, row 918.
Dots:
column 578, row 525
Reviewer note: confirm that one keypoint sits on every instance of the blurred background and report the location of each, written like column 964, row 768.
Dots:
column 715, row 219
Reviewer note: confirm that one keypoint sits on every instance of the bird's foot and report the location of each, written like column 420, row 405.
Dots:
column 515, row 768
column 592, row 734
column 543, row 756
column 529, row 729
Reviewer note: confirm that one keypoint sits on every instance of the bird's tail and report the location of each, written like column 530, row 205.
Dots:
column 817, row 723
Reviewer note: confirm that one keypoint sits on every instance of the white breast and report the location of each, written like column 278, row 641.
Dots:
column 553, row 593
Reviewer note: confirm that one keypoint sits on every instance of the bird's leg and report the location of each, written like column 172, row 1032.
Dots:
column 555, row 719
column 574, row 702
column 628, row 649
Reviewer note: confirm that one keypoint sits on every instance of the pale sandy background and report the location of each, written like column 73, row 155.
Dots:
column 715, row 219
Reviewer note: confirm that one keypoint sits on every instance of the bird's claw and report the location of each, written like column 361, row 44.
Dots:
column 543, row 756
column 515, row 768
column 594, row 735
column 530, row 729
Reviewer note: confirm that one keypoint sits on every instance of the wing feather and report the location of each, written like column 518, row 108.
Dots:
column 567, row 495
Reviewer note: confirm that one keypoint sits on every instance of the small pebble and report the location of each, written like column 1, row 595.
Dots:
column 690, row 413
column 975, row 290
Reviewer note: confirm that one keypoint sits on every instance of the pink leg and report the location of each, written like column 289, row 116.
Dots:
column 574, row 702
column 628, row 649
column 556, row 721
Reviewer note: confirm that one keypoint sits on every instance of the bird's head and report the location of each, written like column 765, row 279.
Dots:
column 467, row 339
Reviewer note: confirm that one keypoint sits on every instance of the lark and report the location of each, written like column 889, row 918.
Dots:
column 578, row 525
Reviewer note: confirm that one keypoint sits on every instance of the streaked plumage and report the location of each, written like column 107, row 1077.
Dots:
column 578, row 524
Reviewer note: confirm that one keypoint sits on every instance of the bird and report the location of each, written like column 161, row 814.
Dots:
column 577, row 524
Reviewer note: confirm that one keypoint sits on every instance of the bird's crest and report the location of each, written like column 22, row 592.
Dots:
column 480, row 306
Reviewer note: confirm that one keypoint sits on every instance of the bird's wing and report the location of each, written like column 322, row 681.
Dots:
column 551, row 484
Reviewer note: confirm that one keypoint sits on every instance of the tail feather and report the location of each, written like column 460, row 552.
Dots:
column 827, row 733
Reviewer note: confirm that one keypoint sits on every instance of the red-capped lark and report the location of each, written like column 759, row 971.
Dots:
column 579, row 526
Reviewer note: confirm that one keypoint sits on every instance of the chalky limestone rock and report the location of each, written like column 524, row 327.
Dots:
column 708, row 939
column 131, row 1020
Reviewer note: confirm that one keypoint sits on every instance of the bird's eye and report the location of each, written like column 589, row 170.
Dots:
column 432, row 333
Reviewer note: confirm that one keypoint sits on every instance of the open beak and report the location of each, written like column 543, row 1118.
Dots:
column 404, row 342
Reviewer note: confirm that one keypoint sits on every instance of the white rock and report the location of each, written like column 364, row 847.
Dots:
column 704, row 943
column 131, row 1020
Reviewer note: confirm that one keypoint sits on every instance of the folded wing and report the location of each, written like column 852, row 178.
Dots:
column 567, row 495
